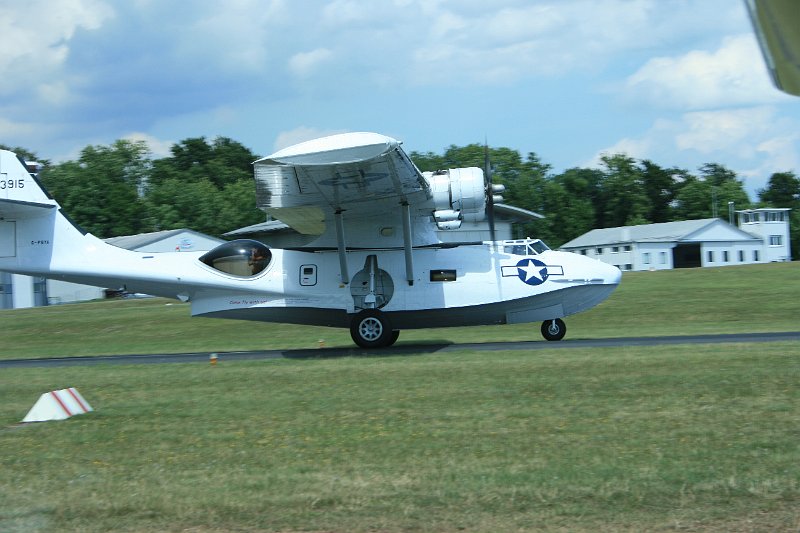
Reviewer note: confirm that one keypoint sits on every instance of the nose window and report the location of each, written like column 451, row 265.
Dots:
column 244, row 258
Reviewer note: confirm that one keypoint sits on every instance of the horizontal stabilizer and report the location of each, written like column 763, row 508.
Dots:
column 19, row 209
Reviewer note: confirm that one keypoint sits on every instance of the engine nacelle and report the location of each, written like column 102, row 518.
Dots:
column 458, row 194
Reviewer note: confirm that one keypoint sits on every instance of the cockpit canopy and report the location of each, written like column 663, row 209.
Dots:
column 524, row 247
column 243, row 258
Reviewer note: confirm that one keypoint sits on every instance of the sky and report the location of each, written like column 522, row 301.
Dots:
column 679, row 83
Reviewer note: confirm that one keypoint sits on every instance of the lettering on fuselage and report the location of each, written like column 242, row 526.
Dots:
column 11, row 184
column 249, row 301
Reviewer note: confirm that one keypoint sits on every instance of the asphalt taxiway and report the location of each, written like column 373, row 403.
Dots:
column 401, row 349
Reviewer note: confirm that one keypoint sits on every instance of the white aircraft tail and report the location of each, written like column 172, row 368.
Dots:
column 38, row 239
column 33, row 230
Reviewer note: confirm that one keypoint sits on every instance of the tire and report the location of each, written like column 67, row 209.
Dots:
column 554, row 330
column 393, row 337
column 371, row 329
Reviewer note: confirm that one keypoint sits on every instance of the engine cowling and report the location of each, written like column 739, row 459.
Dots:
column 458, row 194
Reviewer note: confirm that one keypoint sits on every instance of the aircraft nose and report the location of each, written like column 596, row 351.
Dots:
column 611, row 275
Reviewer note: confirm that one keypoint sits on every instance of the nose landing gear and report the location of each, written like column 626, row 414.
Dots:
column 554, row 330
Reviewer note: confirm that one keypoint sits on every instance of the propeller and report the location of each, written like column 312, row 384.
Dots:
column 491, row 189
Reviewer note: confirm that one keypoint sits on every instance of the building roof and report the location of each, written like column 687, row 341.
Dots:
column 133, row 242
column 664, row 232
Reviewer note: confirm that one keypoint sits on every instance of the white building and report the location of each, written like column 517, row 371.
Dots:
column 772, row 225
column 762, row 237
column 18, row 291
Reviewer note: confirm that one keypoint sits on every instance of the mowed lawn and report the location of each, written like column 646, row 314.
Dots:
column 750, row 298
column 673, row 438
column 669, row 438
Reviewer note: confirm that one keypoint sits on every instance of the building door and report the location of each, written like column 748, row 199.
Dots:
column 686, row 256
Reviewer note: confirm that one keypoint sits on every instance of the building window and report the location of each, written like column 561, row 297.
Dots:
column 599, row 251
column 775, row 240
column 615, row 250
column 583, row 252
column 628, row 266
column 663, row 258
column 711, row 256
column 755, row 255
column 725, row 256
column 741, row 256
column 626, row 248
column 646, row 258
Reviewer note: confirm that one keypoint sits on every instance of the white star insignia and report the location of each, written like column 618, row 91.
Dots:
column 532, row 271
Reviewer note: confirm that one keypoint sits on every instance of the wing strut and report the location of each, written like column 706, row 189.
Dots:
column 341, row 246
column 407, row 245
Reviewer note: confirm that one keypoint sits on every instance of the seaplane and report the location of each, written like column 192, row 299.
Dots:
column 374, row 265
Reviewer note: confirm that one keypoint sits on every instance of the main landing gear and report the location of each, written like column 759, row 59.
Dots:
column 371, row 328
column 554, row 330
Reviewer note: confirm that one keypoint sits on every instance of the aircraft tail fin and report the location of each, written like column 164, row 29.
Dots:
column 31, row 221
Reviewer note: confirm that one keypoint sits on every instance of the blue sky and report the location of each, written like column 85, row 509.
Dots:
column 680, row 83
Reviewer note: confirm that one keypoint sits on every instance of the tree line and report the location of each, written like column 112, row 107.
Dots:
column 208, row 186
column 623, row 192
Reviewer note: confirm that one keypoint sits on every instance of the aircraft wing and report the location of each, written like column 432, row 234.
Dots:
column 360, row 174
column 777, row 25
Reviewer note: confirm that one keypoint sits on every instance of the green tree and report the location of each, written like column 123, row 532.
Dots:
column 204, row 186
column 174, row 204
column 660, row 187
column 570, row 204
column 782, row 190
column 627, row 203
column 710, row 194
column 693, row 199
column 221, row 162
column 100, row 190
column 727, row 188
column 428, row 161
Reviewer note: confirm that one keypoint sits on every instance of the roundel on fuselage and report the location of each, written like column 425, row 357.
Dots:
column 532, row 271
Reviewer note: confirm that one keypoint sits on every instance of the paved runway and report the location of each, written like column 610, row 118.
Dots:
column 401, row 350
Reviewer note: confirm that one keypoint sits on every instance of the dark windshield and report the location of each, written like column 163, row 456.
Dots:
column 244, row 258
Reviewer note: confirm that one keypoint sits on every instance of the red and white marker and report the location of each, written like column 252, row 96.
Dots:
column 58, row 405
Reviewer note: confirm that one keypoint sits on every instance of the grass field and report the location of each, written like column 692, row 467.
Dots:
column 751, row 298
column 670, row 438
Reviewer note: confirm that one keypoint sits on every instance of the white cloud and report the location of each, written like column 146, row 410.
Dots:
column 734, row 74
column 15, row 132
column 234, row 38
column 708, row 132
column 35, row 40
column 158, row 148
column 303, row 64
column 754, row 142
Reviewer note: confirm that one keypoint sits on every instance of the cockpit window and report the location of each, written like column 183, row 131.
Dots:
column 538, row 246
column 524, row 247
column 244, row 258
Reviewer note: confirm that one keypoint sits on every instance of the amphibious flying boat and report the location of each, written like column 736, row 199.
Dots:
column 374, row 265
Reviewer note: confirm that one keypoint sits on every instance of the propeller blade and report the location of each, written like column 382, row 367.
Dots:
column 487, row 176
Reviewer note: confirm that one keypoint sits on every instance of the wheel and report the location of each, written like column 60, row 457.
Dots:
column 371, row 329
column 554, row 330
